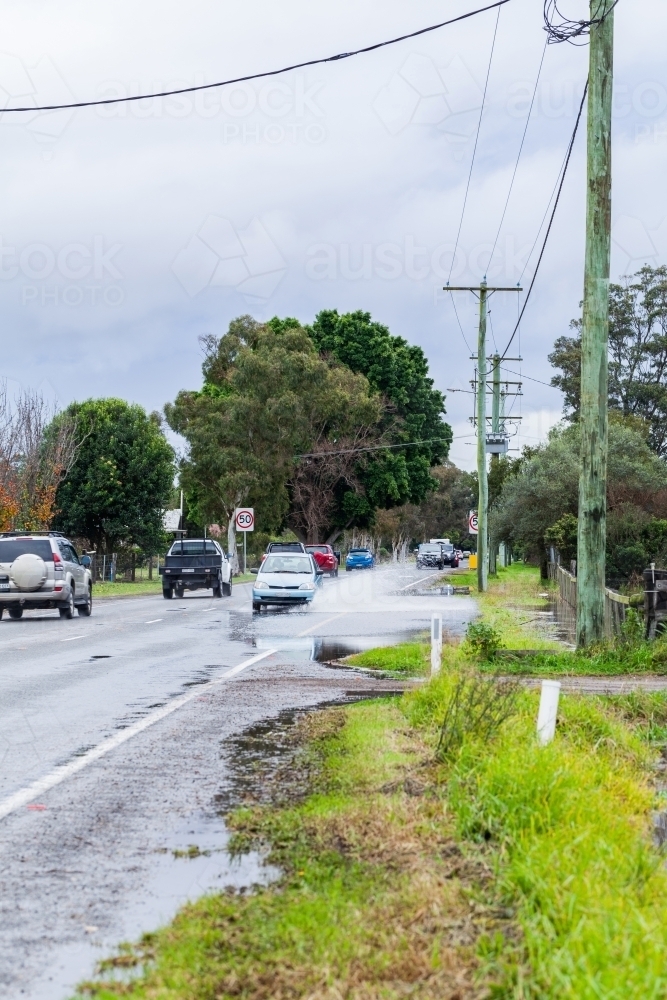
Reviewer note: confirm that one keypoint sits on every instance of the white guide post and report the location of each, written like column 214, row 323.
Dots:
column 436, row 644
column 548, row 713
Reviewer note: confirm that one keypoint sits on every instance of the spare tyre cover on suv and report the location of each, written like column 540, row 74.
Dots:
column 28, row 572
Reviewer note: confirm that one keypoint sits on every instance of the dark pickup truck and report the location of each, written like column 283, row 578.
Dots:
column 196, row 564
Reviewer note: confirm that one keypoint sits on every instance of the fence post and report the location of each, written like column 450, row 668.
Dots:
column 436, row 644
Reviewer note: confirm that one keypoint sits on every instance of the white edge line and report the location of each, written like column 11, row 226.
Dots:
column 65, row 771
column 420, row 580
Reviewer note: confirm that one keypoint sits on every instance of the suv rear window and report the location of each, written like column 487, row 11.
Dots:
column 12, row 548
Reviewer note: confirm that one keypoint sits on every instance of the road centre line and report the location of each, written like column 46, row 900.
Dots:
column 60, row 774
column 73, row 637
column 153, row 620
column 320, row 624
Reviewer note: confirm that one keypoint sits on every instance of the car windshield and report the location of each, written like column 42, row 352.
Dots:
column 429, row 548
column 359, row 552
column 316, row 548
column 193, row 547
column 11, row 549
column 287, row 564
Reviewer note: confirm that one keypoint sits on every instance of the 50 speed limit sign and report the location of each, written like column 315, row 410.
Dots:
column 472, row 523
column 245, row 519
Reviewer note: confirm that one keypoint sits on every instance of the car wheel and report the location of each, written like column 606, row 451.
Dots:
column 86, row 610
column 167, row 593
column 16, row 613
column 180, row 591
column 67, row 611
column 256, row 605
column 227, row 588
column 217, row 588
column 2, row 611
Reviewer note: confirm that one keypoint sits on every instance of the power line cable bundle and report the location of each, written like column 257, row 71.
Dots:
column 563, row 29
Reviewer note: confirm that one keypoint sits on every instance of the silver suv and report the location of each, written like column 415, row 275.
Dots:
column 42, row 570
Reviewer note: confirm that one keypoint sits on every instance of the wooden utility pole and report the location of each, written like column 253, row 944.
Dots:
column 482, row 478
column 592, row 530
column 495, row 430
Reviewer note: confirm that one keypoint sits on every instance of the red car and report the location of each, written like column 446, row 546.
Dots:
column 325, row 558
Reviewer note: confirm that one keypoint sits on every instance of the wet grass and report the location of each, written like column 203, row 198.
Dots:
column 376, row 898
column 509, row 870
column 127, row 589
column 570, row 829
column 408, row 659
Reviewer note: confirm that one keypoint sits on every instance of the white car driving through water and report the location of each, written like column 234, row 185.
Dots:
column 286, row 578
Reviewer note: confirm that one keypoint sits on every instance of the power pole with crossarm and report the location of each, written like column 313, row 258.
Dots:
column 483, row 292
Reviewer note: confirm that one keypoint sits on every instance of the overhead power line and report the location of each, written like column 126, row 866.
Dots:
column 377, row 447
column 563, row 29
column 264, row 74
column 551, row 220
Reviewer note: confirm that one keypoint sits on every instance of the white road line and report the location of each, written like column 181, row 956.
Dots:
column 313, row 628
column 73, row 637
column 420, row 580
column 153, row 620
column 59, row 774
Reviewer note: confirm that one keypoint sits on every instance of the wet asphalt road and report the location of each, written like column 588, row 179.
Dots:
column 113, row 755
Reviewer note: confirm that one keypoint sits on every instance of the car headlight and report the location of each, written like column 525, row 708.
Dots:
column 307, row 586
column 261, row 585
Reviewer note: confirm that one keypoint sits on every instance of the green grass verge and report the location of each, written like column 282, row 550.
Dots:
column 510, row 870
column 570, row 830
column 411, row 659
column 122, row 589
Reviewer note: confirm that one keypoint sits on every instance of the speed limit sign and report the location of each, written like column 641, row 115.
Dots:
column 472, row 523
column 245, row 519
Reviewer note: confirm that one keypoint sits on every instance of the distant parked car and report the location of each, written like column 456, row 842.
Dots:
column 286, row 578
column 325, row 557
column 359, row 559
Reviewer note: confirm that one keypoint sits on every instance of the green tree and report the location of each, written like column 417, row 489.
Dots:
column 268, row 397
column 637, row 355
column 122, row 477
column 533, row 503
column 399, row 372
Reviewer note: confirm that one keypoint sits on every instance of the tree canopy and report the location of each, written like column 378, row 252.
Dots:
column 291, row 422
column 269, row 397
column 543, row 488
column 399, row 372
column 122, row 478
column 637, row 354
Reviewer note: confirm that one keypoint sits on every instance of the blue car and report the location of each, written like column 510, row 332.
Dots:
column 359, row 559
column 286, row 578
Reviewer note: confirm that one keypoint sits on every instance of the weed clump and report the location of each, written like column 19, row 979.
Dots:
column 483, row 640
column 477, row 707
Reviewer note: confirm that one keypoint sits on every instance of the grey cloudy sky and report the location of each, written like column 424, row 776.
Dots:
column 127, row 232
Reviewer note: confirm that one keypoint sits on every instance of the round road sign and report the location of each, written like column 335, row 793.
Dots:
column 472, row 523
column 245, row 519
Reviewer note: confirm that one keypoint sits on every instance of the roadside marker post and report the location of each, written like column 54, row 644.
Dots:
column 548, row 712
column 436, row 644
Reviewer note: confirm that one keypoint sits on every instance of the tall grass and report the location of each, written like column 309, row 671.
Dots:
column 570, row 825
